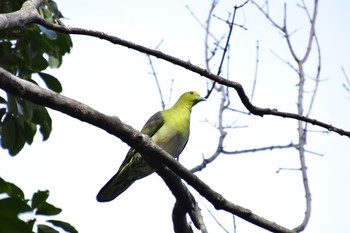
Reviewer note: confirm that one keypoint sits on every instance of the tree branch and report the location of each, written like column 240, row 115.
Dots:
column 302, row 127
column 34, row 17
column 185, row 202
column 219, row 150
column 23, row 16
column 196, row 69
column 132, row 137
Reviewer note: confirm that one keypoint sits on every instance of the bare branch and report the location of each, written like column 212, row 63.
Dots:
column 267, row 14
column 312, row 29
column 288, row 169
column 222, row 136
column 196, row 69
column 290, row 145
column 256, row 71
column 316, row 79
column 347, row 80
column 285, row 61
column 230, row 24
column 215, row 219
column 156, row 79
column 207, row 34
column 219, row 150
column 212, row 7
column 302, row 127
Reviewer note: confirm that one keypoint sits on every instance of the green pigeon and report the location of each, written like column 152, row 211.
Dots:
column 169, row 129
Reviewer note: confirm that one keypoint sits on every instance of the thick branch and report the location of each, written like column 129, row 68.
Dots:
column 180, row 220
column 185, row 202
column 132, row 137
column 25, row 15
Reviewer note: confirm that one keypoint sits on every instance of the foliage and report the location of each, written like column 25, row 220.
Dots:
column 26, row 52
column 14, row 204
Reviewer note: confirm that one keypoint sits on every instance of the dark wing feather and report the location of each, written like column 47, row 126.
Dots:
column 118, row 184
column 153, row 124
column 150, row 128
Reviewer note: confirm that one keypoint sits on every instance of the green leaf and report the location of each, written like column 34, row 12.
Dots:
column 64, row 225
column 15, row 191
column 11, row 189
column 11, row 104
column 24, row 51
column 12, row 224
column 64, row 43
column 51, row 82
column 2, row 113
column 46, row 229
column 12, row 134
column 3, row 186
column 9, row 59
column 39, row 63
column 55, row 62
column 2, row 100
column 40, row 42
column 25, row 73
column 47, row 209
column 11, row 6
column 45, row 130
column 27, row 109
column 48, row 33
column 31, row 223
column 39, row 198
column 8, row 133
column 42, row 117
column 29, row 130
column 19, row 139
column 13, row 206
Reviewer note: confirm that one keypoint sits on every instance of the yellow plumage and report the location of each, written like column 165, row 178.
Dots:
column 169, row 129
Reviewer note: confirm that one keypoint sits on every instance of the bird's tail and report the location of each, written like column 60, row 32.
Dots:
column 132, row 169
column 114, row 187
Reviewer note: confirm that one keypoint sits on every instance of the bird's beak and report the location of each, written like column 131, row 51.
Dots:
column 200, row 99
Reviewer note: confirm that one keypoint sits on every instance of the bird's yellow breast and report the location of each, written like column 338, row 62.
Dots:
column 173, row 135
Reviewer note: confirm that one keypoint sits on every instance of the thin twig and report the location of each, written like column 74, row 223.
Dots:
column 157, row 82
column 213, row 216
column 287, row 169
column 156, row 77
column 256, row 71
column 219, row 150
column 231, row 24
column 347, row 84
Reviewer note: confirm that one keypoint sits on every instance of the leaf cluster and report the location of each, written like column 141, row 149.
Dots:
column 14, row 204
column 27, row 52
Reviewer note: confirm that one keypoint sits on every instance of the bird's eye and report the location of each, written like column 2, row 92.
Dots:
column 191, row 93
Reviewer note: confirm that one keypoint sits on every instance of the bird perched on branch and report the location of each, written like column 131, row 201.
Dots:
column 169, row 129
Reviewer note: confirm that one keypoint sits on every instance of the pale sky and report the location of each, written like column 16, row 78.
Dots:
column 78, row 159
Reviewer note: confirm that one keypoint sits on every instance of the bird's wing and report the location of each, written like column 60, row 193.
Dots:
column 120, row 181
column 153, row 124
column 150, row 128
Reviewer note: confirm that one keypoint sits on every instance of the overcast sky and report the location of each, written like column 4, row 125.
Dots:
column 78, row 159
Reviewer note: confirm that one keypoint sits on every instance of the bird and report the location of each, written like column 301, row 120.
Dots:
column 169, row 129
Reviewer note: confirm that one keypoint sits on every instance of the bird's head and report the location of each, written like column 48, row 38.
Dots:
column 190, row 98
